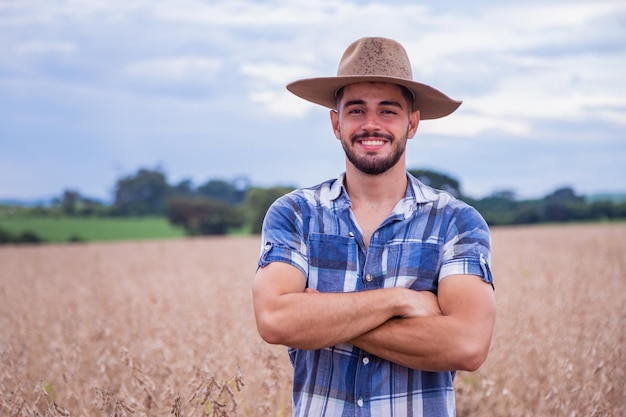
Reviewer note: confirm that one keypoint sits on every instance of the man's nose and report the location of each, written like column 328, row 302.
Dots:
column 371, row 121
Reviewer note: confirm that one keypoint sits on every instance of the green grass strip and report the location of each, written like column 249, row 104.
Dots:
column 62, row 229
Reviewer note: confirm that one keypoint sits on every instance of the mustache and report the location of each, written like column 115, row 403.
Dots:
column 365, row 135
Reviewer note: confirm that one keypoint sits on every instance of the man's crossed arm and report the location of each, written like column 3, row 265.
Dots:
column 451, row 331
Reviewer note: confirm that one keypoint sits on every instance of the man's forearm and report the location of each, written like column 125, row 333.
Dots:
column 424, row 343
column 458, row 339
column 313, row 320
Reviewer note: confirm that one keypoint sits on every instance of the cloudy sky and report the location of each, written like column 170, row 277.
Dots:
column 93, row 90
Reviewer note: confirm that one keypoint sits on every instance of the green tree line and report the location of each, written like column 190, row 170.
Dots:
column 222, row 206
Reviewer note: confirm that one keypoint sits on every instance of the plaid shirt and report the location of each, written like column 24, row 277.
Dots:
column 428, row 236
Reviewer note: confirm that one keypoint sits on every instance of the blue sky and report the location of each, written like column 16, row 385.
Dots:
column 93, row 90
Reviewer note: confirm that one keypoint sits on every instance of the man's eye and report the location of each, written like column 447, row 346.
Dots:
column 355, row 111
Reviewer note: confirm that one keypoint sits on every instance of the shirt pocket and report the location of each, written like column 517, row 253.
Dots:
column 413, row 265
column 333, row 263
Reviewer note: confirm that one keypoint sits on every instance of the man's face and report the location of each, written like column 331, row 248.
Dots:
column 373, row 123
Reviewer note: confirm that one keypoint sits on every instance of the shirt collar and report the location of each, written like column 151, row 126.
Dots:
column 337, row 188
column 416, row 191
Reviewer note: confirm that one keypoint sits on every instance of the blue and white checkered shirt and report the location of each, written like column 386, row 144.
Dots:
column 428, row 236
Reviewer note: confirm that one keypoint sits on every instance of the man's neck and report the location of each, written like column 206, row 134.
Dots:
column 374, row 197
column 376, row 191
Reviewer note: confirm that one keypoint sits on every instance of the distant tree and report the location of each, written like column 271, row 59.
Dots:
column 75, row 238
column 564, row 195
column 528, row 213
column 602, row 210
column 141, row 194
column 619, row 211
column 203, row 217
column 229, row 192
column 26, row 236
column 29, row 236
column 6, row 237
column 72, row 203
column 564, row 205
column 504, row 195
column 182, row 189
column 91, row 207
column 498, row 208
column 69, row 202
column 438, row 181
column 258, row 200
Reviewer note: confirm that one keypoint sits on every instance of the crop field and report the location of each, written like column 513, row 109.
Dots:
column 165, row 327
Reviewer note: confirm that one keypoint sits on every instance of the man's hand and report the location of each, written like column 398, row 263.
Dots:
column 289, row 314
column 410, row 303
column 419, row 304
column 457, row 338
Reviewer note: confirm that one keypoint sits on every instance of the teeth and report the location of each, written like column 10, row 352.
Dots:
column 373, row 142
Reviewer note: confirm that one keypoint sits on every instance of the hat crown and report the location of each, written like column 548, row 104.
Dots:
column 376, row 57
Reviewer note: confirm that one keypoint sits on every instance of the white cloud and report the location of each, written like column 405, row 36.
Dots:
column 44, row 47
column 42, row 12
column 267, row 88
column 520, row 67
column 184, row 68
column 555, row 14
column 254, row 14
column 502, row 48
column 473, row 124
column 273, row 73
column 280, row 103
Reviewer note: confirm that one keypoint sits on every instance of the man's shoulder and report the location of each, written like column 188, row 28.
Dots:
column 315, row 195
column 443, row 200
column 426, row 194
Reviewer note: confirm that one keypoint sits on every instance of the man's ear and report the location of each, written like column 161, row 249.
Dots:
column 334, row 121
column 414, row 121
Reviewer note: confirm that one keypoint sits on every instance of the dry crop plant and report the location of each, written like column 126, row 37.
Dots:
column 558, row 347
column 135, row 329
column 166, row 328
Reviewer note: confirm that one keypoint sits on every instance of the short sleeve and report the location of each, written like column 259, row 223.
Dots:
column 467, row 249
column 282, row 237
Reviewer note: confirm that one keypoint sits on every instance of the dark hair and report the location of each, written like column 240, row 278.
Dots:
column 406, row 93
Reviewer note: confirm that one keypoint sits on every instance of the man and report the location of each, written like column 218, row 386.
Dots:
column 379, row 285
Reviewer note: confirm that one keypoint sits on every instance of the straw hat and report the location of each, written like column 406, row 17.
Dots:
column 375, row 60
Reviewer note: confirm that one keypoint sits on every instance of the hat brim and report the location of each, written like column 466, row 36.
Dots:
column 431, row 102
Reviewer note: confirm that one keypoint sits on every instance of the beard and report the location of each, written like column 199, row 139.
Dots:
column 377, row 165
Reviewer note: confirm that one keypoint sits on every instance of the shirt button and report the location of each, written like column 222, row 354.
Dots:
column 369, row 278
column 351, row 234
column 360, row 402
column 366, row 361
column 376, row 235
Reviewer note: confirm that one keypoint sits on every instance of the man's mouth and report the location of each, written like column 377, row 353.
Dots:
column 373, row 142
column 372, row 139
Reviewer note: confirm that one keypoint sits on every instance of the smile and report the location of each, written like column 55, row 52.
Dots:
column 373, row 142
